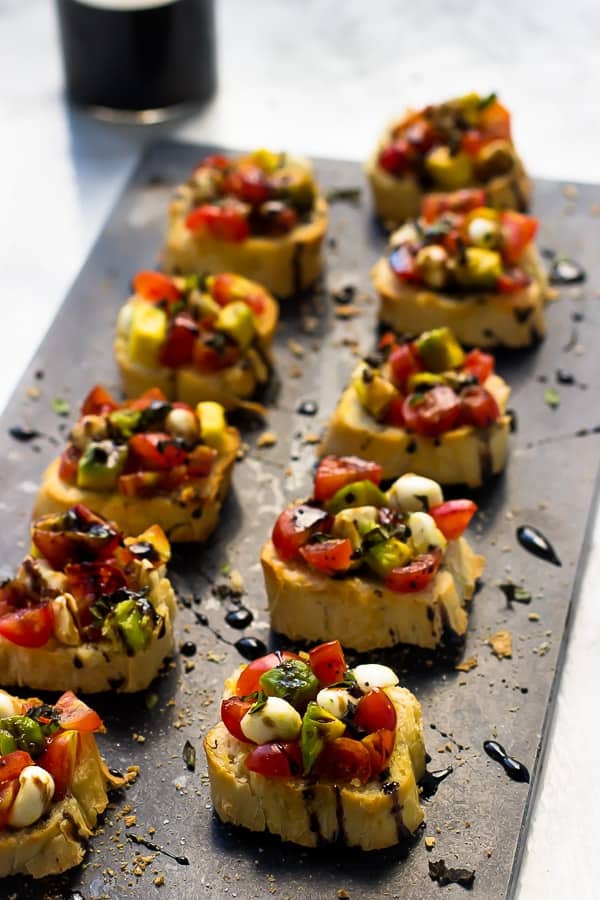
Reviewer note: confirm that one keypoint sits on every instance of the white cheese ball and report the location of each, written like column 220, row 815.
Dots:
column 183, row 423
column 424, row 533
column 411, row 493
column 374, row 675
column 336, row 701
column 8, row 707
column 36, row 790
column 277, row 720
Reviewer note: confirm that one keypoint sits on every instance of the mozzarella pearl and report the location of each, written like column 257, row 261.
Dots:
column 483, row 232
column 36, row 790
column 424, row 533
column 411, row 493
column 182, row 423
column 276, row 720
column 8, row 707
column 374, row 675
column 336, row 701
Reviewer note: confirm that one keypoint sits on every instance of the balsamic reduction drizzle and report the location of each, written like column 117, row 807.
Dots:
column 250, row 647
column 532, row 540
column 239, row 618
column 513, row 768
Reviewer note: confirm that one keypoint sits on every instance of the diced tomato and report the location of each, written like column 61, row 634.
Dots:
column 453, row 517
column 494, row 121
column 249, row 680
column 512, row 281
column 98, row 401
column 421, row 136
column 478, row 407
column 152, row 395
column 416, row 575
column 178, row 348
column 74, row 713
column 233, row 710
column 518, row 231
column 479, row 364
column 24, row 621
column 403, row 265
column 404, row 361
column 79, row 535
column 59, row 758
column 396, row 157
column 249, row 183
column 435, row 205
column 380, row 746
column 147, row 484
column 201, row 460
column 69, row 462
column 90, row 580
column 155, row 286
column 276, row 760
column 432, row 413
column 155, row 451
column 328, row 662
column 472, row 142
column 226, row 287
column 294, row 526
column 387, row 340
column 375, row 710
column 394, row 416
column 335, row 472
column 8, row 793
column 12, row 764
column 224, row 223
column 214, row 161
column 328, row 557
column 207, row 359
column 277, row 218
column 344, row 759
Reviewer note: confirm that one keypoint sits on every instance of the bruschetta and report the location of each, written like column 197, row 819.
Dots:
column 88, row 609
column 315, row 752
column 145, row 462
column 374, row 568
column 260, row 215
column 462, row 144
column 196, row 338
column 424, row 406
column 53, row 784
column 476, row 271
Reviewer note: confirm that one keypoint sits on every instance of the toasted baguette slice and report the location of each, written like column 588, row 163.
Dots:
column 311, row 812
column 189, row 519
column 464, row 455
column 477, row 319
column 285, row 265
column 362, row 613
column 58, row 841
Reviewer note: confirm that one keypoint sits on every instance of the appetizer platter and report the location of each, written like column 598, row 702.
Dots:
column 162, row 836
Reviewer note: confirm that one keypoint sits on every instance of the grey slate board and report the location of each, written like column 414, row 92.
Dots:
column 481, row 816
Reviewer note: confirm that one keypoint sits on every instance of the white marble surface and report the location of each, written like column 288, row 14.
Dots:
column 321, row 77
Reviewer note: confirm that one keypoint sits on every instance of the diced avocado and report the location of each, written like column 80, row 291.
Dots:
column 470, row 107
column 295, row 183
column 267, row 160
column 421, row 381
column 481, row 268
column 237, row 322
column 100, row 466
column 147, row 333
column 449, row 171
column 359, row 493
column 213, row 424
column 293, row 680
column 126, row 421
column 204, row 305
column 387, row 555
column 318, row 726
column 26, row 732
column 440, row 350
column 133, row 624
column 374, row 391
column 7, row 742
column 354, row 523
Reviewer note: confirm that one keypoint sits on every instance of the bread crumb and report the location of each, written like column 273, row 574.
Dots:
column 430, row 843
column 296, row 372
column 311, row 439
column 347, row 312
column 236, row 582
column 130, row 821
column 159, row 880
column 467, row 664
column 343, row 894
column 534, row 617
column 139, row 738
column 296, row 348
column 267, row 439
column 33, row 392
column 501, row 644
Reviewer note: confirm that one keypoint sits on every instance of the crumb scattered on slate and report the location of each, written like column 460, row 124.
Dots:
column 501, row 643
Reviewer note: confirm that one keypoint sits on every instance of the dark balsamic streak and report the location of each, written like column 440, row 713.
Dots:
column 182, row 860
column 24, row 435
column 532, row 540
column 250, row 647
column 239, row 618
column 431, row 781
column 513, row 768
column 339, row 812
column 201, row 619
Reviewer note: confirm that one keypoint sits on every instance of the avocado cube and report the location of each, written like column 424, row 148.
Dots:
column 213, row 424
column 359, row 493
column 237, row 322
column 374, row 391
column 354, row 523
column 387, row 555
column 100, row 466
column 449, row 171
column 481, row 268
column 440, row 350
column 147, row 334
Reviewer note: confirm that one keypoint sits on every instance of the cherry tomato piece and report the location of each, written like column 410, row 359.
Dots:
column 74, row 714
column 394, row 416
column 207, row 359
column 396, row 157
column 479, row 364
column 329, row 557
column 403, row 265
column 471, row 142
column 344, row 759
column 12, row 764
column 215, row 161
column 517, row 232
column 233, row 710
column 416, row 575
column 494, row 121
column 375, row 710
column 294, row 526
column 69, row 463
column 226, row 287
column 435, row 205
column 276, row 760
column 59, row 759
column 249, row 183
column 155, row 286
column 380, row 746
column 178, row 348
column 155, row 451
column 78, row 535
column 513, row 280
column 432, row 413
column 148, row 484
column 404, row 360
column 223, row 223
column 98, row 401
column 478, row 407
column 201, row 460
column 28, row 625
column 335, row 472
column 453, row 516
column 328, row 662
column 249, row 680
column 88, row 581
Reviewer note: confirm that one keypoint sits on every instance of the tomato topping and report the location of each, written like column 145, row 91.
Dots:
column 394, row 416
column 249, row 183
column 472, row 141
column 74, row 713
column 294, row 526
column 512, row 281
column 214, row 161
column 403, row 265
column 233, row 710
column 207, row 359
column 69, row 462
column 152, row 395
column 375, row 710
column 276, row 760
column 335, row 472
column 224, row 223
column 90, row 580
column 396, row 157
column 453, row 516
column 155, row 286
column 98, row 401
column 404, row 360
column 380, row 746
column 494, row 120
column 147, row 484
column 329, row 557
column 479, row 364
column 517, row 232
column 249, row 680
column 23, row 620
column 416, row 575
column 478, row 407
column 155, row 451
column 328, row 662
column 12, row 764
column 201, row 460
column 178, row 348
column 344, row 759
column 226, row 287
column 435, row 205
column 421, row 135
column 433, row 412
column 59, row 759
column 79, row 535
